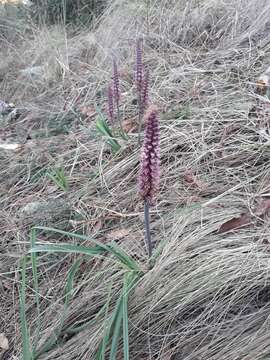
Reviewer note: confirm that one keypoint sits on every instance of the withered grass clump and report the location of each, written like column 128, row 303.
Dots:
column 207, row 295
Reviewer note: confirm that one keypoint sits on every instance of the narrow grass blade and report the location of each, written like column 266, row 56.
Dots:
column 66, row 248
column 35, row 284
column 121, row 317
column 110, row 326
column 102, row 349
column 70, row 279
column 111, row 248
column 27, row 353
column 123, row 257
column 114, row 325
column 116, row 330
column 125, row 317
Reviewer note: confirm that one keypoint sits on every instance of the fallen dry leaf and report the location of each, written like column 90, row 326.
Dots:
column 261, row 210
column 235, row 223
column 3, row 342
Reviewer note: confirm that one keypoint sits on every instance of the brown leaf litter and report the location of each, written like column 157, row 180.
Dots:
column 247, row 218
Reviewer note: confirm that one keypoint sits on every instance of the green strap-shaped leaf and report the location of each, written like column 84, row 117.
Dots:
column 27, row 353
column 97, row 250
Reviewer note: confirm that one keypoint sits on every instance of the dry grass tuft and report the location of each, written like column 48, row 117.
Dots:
column 207, row 297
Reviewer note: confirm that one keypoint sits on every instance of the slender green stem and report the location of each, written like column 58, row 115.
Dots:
column 35, row 283
column 148, row 240
column 26, row 351
column 127, row 279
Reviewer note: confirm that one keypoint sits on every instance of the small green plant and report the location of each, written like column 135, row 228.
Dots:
column 117, row 322
column 57, row 175
column 103, row 128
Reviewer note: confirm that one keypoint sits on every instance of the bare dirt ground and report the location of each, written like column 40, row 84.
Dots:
column 207, row 295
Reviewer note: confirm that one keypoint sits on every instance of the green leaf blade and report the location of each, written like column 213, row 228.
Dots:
column 27, row 353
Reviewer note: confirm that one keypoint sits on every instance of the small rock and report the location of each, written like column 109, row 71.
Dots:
column 46, row 213
column 6, row 108
column 32, row 208
column 3, row 342
column 33, row 72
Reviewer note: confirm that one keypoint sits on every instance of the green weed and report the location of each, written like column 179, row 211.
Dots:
column 57, row 175
column 117, row 327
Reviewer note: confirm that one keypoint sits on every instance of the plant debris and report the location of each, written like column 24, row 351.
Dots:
column 246, row 219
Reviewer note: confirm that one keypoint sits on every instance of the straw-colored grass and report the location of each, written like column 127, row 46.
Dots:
column 207, row 295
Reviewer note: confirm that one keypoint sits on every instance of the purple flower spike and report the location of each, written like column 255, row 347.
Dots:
column 110, row 104
column 139, row 66
column 149, row 175
column 116, row 91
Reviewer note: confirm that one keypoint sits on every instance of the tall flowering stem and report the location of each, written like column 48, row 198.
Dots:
column 116, row 90
column 142, row 85
column 145, row 91
column 110, row 104
column 139, row 82
column 139, row 65
column 149, row 175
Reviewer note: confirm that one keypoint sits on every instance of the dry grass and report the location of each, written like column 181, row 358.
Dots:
column 207, row 296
